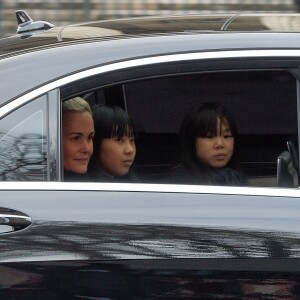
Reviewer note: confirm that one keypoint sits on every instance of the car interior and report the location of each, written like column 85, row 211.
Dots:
column 262, row 103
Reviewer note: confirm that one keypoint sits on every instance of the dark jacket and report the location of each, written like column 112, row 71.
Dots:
column 75, row 177
column 210, row 176
column 104, row 177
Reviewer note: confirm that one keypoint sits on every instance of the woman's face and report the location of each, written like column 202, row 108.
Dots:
column 216, row 151
column 78, row 134
column 116, row 155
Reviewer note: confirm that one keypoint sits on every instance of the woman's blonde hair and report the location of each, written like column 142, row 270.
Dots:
column 76, row 104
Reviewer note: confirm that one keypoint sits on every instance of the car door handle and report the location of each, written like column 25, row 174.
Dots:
column 14, row 219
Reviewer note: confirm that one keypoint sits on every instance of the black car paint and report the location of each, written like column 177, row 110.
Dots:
column 155, row 279
column 115, row 224
column 59, row 62
column 132, row 245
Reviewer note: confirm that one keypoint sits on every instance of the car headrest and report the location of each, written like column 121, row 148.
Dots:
column 294, row 154
column 287, row 175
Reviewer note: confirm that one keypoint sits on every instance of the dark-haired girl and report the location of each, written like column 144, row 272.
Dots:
column 208, row 138
column 114, row 145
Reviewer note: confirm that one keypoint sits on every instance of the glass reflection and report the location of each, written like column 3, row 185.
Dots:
column 23, row 144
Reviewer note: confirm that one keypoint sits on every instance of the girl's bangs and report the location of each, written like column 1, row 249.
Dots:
column 208, row 127
column 122, row 129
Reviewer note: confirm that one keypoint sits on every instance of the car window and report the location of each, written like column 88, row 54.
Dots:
column 260, row 94
column 23, row 143
column 263, row 104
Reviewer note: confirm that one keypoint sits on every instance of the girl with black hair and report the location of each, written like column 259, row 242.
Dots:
column 114, row 145
column 208, row 139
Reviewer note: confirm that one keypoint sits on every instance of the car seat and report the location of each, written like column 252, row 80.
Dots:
column 287, row 175
column 294, row 154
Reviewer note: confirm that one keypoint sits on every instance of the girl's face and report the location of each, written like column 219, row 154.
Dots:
column 216, row 151
column 78, row 134
column 116, row 155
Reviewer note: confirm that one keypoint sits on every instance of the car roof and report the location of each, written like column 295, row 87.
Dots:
column 39, row 57
column 148, row 26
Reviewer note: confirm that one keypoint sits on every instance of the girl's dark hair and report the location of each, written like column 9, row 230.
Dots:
column 110, row 121
column 201, row 121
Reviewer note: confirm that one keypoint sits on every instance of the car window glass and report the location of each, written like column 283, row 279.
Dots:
column 262, row 94
column 23, row 143
column 262, row 103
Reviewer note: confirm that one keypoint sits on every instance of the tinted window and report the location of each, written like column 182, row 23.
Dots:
column 256, row 100
column 23, row 143
column 262, row 103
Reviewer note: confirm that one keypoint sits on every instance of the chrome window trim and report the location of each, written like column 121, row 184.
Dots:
column 54, row 136
column 144, row 62
column 149, row 188
column 298, row 109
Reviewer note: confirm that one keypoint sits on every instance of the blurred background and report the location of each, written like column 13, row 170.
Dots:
column 61, row 12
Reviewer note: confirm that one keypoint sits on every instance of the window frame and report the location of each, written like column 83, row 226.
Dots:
column 285, row 59
column 128, row 76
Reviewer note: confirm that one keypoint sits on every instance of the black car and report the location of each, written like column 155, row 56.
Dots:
column 149, row 240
